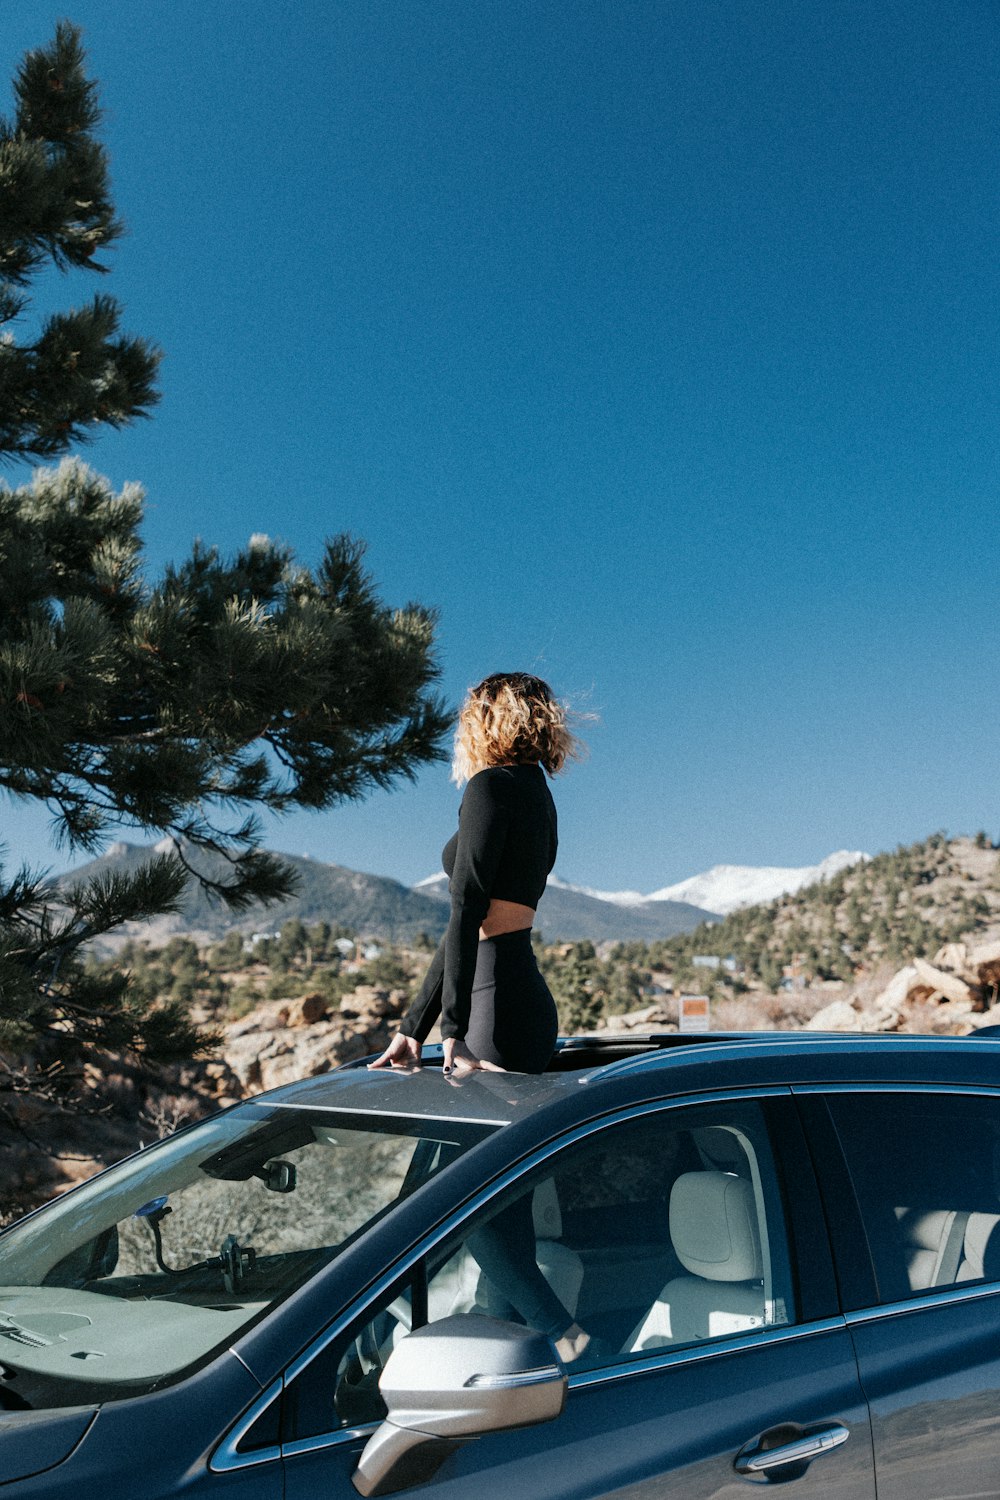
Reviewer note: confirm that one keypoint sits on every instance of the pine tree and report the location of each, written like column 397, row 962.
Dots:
column 177, row 706
column 575, row 984
column 78, row 372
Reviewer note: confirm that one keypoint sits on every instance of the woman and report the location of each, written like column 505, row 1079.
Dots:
column 496, row 1010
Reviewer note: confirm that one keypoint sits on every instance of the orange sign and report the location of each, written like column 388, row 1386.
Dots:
column 693, row 1014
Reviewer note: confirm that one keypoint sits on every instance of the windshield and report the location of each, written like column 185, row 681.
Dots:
column 140, row 1275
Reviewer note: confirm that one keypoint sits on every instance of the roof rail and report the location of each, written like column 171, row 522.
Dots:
column 657, row 1057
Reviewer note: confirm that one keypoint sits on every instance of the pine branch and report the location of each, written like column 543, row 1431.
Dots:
column 80, row 372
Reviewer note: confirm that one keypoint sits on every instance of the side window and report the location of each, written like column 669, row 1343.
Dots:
column 926, row 1172
column 661, row 1232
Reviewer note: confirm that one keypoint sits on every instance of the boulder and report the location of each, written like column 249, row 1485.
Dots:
column 939, row 981
column 262, row 1056
column 367, row 1001
column 985, row 962
column 306, row 1010
column 242, row 1056
column 897, row 991
column 954, row 957
column 636, row 1019
column 838, row 1016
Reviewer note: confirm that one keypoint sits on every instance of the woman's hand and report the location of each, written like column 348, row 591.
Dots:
column 402, row 1052
column 458, row 1059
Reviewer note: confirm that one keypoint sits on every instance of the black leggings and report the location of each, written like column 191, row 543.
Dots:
column 513, row 1023
column 513, row 1018
column 515, row 1288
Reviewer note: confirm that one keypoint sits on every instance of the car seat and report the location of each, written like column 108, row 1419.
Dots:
column 981, row 1251
column 714, row 1229
column 925, row 1235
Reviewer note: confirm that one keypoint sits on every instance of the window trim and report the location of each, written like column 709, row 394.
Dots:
column 225, row 1457
column 664, row 1359
column 399, row 1271
column 963, row 1293
column 870, row 1311
column 989, row 1090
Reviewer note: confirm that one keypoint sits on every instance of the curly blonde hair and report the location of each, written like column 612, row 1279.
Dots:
column 508, row 719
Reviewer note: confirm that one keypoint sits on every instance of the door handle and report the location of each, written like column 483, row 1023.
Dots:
column 802, row 1448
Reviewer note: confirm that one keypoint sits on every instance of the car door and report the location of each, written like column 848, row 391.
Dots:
column 687, row 1239
column 912, row 1177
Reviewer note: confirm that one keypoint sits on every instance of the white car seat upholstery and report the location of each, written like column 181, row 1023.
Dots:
column 713, row 1226
column 943, row 1247
column 924, row 1234
column 981, row 1252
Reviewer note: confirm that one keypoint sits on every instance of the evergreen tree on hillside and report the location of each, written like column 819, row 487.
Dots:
column 575, row 981
column 176, row 706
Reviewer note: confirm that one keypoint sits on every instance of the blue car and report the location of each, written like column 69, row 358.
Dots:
column 785, row 1250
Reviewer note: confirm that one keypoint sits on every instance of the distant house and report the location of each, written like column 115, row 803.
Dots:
column 363, row 954
column 263, row 937
column 344, row 945
column 713, row 961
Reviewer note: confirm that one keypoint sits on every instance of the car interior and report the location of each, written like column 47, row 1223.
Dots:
column 658, row 1240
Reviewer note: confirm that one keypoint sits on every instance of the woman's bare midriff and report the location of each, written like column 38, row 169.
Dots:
column 506, row 916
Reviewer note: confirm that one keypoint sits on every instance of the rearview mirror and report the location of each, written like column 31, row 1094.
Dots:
column 454, row 1380
column 278, row 1176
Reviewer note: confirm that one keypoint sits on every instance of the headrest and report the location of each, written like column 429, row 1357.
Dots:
column 545, row 1210
column 982, row 1248
column 713, row 1224
column 924, row 1228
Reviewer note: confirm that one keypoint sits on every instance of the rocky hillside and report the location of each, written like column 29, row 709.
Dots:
column 909, row 941
column 889, row 909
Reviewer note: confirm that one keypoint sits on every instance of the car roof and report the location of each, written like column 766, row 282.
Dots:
column 478, row 1098
column 666, row 1062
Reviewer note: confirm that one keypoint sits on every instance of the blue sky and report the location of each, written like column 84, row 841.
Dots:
column 657, row 345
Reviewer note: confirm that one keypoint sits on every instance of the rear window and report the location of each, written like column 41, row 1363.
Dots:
column 926, row 1171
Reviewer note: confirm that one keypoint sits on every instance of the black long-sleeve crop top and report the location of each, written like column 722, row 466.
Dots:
column 504, row 849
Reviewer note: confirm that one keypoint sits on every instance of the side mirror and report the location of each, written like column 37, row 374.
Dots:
column 453, row 1380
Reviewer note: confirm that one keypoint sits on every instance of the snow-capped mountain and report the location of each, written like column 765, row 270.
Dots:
column 726, row 887
column 617, row 898
column 571, row 913
column 721, row 889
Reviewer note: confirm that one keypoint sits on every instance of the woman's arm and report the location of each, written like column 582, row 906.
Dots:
column 426, row 1008
column 482, row 831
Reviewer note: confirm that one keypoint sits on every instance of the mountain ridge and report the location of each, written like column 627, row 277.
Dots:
column 373, row 906
column 571, row 913
column 717, row 891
